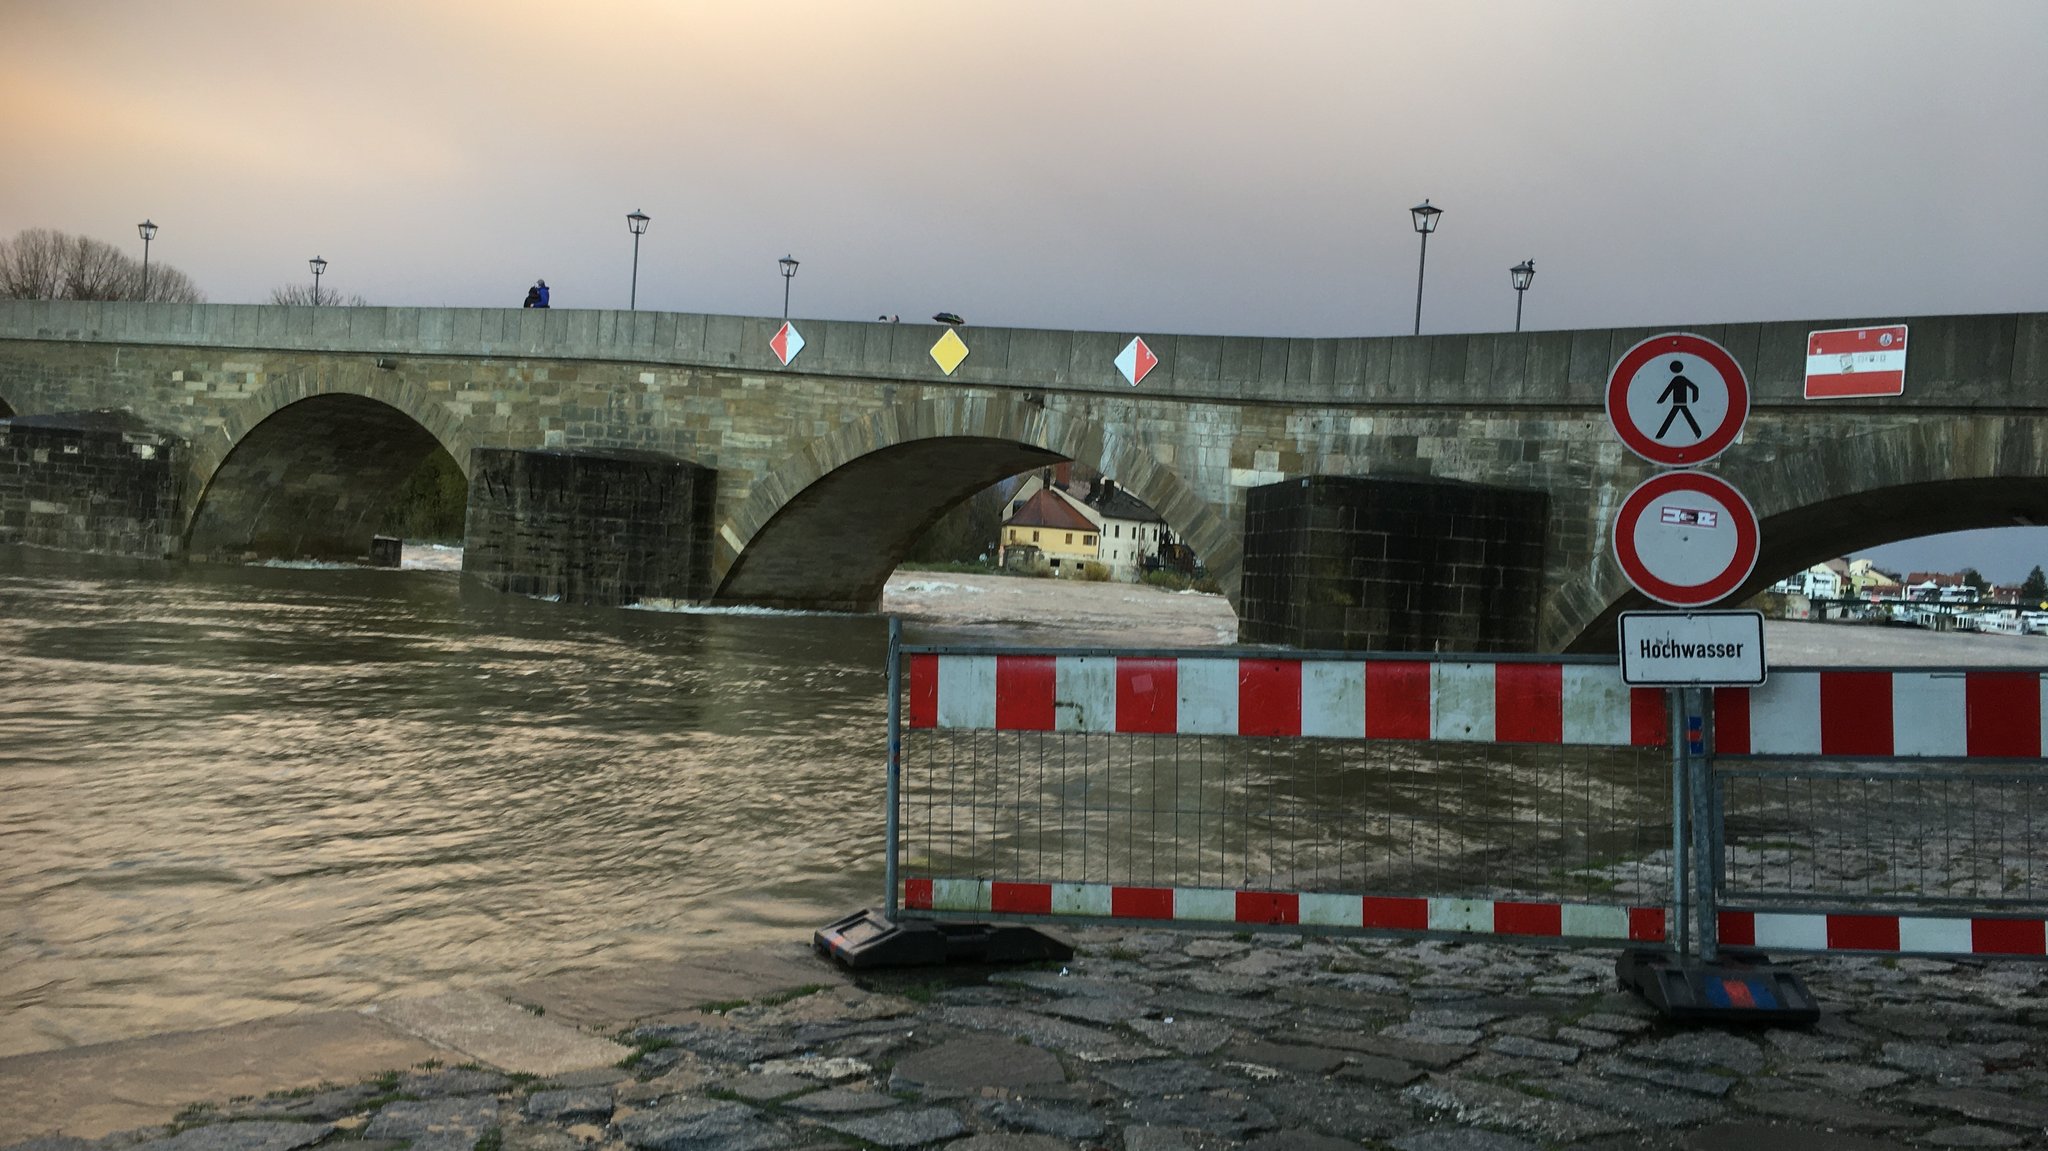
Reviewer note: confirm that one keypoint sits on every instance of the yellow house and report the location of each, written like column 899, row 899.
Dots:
column 1047, row 531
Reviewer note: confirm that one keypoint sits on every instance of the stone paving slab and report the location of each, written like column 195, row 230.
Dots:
column 487, row 1028
column 93, row 1091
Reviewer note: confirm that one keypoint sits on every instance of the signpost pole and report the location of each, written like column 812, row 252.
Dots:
column 894, row 784
column 1674, row 702
column 1704, row 828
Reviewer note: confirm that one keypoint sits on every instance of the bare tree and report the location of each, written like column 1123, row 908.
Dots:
column 301, row 295
column 45, row 264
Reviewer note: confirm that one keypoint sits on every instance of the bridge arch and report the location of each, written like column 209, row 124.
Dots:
column 1832, row 496
column 303, row 467
column 864, row 494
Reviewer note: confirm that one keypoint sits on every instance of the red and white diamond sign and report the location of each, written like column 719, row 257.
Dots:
column 786, row 343
column 1135, row 360
column 1845, row 362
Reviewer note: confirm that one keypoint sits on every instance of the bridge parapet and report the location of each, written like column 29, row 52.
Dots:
column 1976, row 361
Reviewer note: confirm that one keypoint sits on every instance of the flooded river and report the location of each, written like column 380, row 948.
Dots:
column 231, row 792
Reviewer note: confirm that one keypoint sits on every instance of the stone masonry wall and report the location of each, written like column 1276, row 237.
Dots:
column 589, row 527
column 89, row 482
column 1367, row 564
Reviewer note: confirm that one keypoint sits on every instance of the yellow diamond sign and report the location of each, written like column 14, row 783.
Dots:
column 949, row 351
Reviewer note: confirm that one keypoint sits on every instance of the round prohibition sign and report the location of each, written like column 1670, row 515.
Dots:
column 1686, row 539
column 1677, row 399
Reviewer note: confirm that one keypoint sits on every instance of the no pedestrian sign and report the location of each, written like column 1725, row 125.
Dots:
column 1686, row 538
column 1692, row 648
column 1677, row 399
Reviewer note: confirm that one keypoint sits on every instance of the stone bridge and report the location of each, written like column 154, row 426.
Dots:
column 804, row 485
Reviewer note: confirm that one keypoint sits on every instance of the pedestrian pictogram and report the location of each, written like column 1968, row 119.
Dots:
column 1686, row 538
column 786, row 343
column 1135, row 360
column 1847, row 362
column 1677, row 399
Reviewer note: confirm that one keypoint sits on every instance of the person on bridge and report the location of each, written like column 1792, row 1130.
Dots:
column 540, row 288
column 532, row 298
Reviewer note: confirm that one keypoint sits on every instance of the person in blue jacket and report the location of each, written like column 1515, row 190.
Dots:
column 541, row 287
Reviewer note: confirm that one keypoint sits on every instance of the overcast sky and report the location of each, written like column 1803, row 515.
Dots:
column 1170, row 166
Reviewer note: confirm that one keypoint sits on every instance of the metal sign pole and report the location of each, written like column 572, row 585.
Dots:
column 895, row 759
column 1705, row 826
column 1674, row 702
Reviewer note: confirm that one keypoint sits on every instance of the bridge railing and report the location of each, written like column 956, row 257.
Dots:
column 1326, row 790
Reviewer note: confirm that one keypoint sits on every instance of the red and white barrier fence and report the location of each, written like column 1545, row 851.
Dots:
column 1213, row 906
column 1883, row 932
column 1886, row 714
column 1581, row 704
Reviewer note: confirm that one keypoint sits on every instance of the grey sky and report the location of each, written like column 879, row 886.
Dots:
column 1176, row 166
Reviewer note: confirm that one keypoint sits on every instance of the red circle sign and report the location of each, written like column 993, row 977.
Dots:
column 1677, row 399
column 1686, row 539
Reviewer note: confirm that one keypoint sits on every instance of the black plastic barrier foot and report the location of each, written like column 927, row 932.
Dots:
column 1740, row 987
column 870, row 939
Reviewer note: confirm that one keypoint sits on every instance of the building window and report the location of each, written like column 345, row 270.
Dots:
column 1034, row 537
column 1070, row 537
column 1088, row 540
column 1013, row 535
column 1116, row 531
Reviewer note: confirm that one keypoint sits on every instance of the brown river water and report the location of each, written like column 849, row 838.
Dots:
column 231, row 792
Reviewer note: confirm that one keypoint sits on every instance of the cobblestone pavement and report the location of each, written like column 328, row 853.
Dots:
column 1156, row 1041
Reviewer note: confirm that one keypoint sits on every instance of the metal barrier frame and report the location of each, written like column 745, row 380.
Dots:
column 1821, row 721
column 1642, row 725
column 1895, row 724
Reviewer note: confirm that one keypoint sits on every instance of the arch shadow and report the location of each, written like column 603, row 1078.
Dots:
column 826, row 527
column 309, row 480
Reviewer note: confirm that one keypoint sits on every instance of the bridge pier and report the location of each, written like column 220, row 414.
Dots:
column 1379, row 563
column 101, row 482
column 608, row 528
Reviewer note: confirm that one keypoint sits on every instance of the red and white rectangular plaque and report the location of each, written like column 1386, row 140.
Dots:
column 1849, row 362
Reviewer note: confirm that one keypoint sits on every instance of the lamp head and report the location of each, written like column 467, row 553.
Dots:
column 1425, row 217
column 1522, row 274
column 146, row 229
column 788, row 267
column 636, row 222
column 317, row 264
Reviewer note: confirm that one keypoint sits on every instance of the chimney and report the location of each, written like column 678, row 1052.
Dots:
column 1063, row 472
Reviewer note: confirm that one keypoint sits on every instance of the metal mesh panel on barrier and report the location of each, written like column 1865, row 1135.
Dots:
column 1287, row 814
column 1949, row 834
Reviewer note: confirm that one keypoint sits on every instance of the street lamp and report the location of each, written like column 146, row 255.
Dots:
column 318, row 265
column 1521, row 273
column 636, row 221
column 148, row 232
column 788, row 273
column 1425, row 223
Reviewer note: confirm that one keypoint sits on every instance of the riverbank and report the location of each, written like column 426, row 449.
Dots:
column 1146, row 1041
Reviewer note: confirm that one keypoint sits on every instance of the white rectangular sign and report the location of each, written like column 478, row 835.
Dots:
column 1692, row 648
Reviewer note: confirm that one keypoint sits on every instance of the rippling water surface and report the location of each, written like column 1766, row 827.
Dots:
column 234, row 791
column 230, row 792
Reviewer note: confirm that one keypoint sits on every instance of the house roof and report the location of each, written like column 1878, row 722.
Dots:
column 1113, row 502
column 1046, row 510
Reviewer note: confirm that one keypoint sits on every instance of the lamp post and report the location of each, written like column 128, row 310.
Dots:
column 318, row 265
column 636, row 222
column 1521, row 274
column 788, row 273
column 1425, row 223
column 147, row 230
